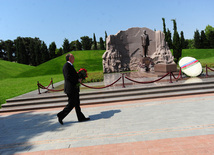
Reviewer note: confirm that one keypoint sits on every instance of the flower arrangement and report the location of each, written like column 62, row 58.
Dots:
column 82, row 73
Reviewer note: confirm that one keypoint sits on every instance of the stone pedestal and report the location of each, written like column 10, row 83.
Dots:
column 146, row 63
column 165, row 68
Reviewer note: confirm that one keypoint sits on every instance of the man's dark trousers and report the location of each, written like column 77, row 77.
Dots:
column 73, row 101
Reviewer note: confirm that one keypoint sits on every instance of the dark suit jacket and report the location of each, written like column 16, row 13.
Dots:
column 71, row 79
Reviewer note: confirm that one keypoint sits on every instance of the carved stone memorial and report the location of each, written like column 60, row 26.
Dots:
column 127, row 51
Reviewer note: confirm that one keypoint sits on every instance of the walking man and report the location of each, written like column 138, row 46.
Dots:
column 71, row 88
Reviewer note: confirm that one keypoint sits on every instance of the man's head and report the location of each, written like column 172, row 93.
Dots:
column 69, row 57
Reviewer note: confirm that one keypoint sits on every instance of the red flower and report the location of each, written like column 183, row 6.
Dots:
column 82, row 73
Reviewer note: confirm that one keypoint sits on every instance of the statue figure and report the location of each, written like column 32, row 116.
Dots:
column 163, row 54
column 145, row 42
column 112, row 60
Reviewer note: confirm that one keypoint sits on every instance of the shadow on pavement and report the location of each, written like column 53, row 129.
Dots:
column 104, row 115
column 18, row 131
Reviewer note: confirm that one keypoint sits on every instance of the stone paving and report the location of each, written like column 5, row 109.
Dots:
column 176, row 125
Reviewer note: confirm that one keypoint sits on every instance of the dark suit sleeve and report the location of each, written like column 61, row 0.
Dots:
column 71, row 77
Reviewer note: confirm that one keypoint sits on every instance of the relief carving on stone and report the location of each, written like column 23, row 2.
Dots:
column 124, row 50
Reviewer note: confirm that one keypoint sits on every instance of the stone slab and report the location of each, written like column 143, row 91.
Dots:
column 165, row 68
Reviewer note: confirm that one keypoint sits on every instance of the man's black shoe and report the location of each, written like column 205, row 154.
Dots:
column 85, row 119
column 59, row 119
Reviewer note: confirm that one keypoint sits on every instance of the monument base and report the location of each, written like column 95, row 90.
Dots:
column 165, row 68
column 146, row 64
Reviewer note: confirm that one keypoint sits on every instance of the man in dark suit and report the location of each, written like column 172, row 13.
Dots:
column 71, row 88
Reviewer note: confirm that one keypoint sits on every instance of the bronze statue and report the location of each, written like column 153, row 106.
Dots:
column 145, row 42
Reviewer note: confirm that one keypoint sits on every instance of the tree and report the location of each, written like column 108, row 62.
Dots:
column 78, row 45
column 86, row 42
column 164, row 26
column 20, row 49
column 94, row 42
column 1, row 49
column 182, row 40
column 44, row 51
column 52, row 49
column 66, row 46
column 168, row 38
column 167, row 33
column 105, row 38
column 32, row 52
column 197, row 39
column 9, row 49
column 203, row 41
column 190, row 43
column 59, row 51
column 211, row 39
column 209, row 30
column 177, row 50
column 37, row 49
column 73, row 46
column 102, row 47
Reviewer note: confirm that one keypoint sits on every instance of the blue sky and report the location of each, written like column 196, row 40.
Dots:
column 55, row 20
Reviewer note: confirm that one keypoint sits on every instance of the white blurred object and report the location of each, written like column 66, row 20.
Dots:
column 190, row 66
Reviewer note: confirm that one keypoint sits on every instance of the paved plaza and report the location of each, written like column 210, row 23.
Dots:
column 175, row 125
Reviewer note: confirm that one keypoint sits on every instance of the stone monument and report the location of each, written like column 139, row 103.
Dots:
column 162, row 57
column 124, row 51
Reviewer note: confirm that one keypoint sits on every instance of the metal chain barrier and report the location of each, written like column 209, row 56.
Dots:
column 207, row 70
column 179, row 75
column 40, row 86
column 147, row 81
column 123, row 83
column 101, row 87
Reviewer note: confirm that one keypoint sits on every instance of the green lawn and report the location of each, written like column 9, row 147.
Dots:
column 205, row 56
column 12, row 87
column 90, row 60
column 9, row 69
column 17, row 79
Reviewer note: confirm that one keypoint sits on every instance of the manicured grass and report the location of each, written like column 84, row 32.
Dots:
column 90, row 60
column 17, row 79
column 205, row 56
column 12, row 87
column 9, row 69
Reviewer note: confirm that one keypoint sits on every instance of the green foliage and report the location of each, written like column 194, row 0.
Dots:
column 52, row 49
column 66, row 46
column 197, row 39
column 44, row 51
column 102, row 46
column 182, row 40
column 10, row 49
column 78, row 45
column 177, row 48
column 203, row 41
column 105, row 38
column 164, row 26
column 169, row 38
column 86, row 42
column 208, row 29
column 190, row 43
column 94, row 42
